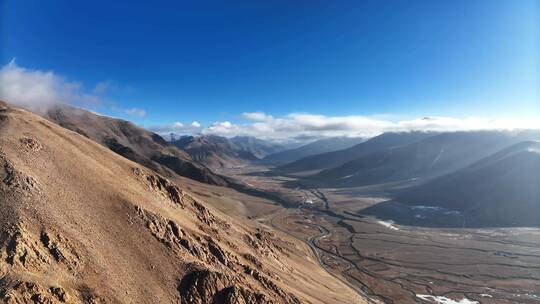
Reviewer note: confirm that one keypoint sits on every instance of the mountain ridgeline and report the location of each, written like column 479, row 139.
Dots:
column 258, row 147
column 219, row 152
column 333, row 159
column 313, row 148
column 132, row 142
column 430, row 157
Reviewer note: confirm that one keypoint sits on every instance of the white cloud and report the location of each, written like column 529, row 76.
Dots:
column 256, row 116
column 38, row 90
column 465, row 124
column 177, row 128
column 223, row 128
column 136, row 112
column 102, row 86
column 302, row 126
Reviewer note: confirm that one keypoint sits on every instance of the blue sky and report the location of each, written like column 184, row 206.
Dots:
column 212, row 61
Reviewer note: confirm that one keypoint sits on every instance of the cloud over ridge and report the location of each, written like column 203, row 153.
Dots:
column 39, row 90
column 304, row 126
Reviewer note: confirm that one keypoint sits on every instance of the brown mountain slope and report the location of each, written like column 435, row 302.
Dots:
column 80, row 224
column 215, row 151
column 256, row 146
column 132, row 142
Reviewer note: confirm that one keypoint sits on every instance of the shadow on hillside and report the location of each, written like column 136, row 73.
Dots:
column 428, row 216
column 407, row 215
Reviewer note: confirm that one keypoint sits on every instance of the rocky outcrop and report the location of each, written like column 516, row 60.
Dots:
column 15, row 180
column 61, row 250
column 15, row 292
column 209, row 287
column 21, row 248
column 23, row 251
column 203, row 286
column 262, row 243
column 30, row 144
column 220, row 286
column 171, row 235
column 160, row 185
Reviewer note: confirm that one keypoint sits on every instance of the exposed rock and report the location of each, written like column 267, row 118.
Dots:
column 219, row 253
column 253, row 260
column 16, row 180
column 160, row 185
column 89, row 297
column 269, row 285
column 203, row 214
column 203, row 286
column 166, row 231
column 31, row 144
column 207, row 217
column 237, row 295
column 61, row 249
column 174, row 237
column 262, row 243
column 21, row 248
column 15, row 292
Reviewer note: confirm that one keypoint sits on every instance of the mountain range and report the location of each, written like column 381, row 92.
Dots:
column 437, row 169
column 258, row 147
column 329, row 160
column 424, row 159
column 217, row 152
column 313, row 148
column 502, row 189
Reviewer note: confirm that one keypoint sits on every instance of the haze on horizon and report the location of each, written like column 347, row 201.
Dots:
column 279, row 70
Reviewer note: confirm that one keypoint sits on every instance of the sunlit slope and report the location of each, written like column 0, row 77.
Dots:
column 81, row 224
column 215, row 151
column 132, row 142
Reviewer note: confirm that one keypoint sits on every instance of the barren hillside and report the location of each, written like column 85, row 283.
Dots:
column 132, row 142
column 81, row 224
column 215, row 151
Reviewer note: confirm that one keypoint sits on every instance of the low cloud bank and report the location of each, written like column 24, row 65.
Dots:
column 39, row 90
column 304, row 127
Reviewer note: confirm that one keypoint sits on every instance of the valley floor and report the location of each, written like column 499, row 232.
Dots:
column 402, row 264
